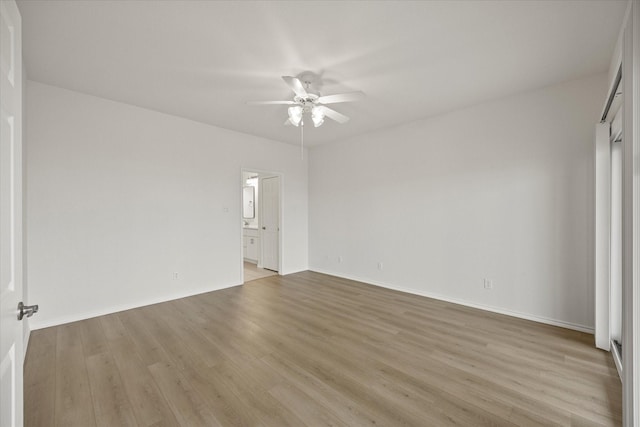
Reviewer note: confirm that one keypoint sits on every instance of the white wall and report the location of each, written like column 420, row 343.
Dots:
column 499, row 191
column 120, row 197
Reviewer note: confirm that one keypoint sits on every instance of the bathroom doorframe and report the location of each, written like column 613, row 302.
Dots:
column 262, row 174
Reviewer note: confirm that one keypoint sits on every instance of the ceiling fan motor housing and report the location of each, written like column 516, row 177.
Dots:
column 307, row 102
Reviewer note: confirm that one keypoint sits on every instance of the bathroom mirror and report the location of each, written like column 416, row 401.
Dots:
column 248, row 202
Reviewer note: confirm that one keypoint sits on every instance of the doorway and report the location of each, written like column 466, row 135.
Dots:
column 261, row 224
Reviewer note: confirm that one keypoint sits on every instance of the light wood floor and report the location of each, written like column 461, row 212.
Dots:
column 253, row 272
column 313, row 350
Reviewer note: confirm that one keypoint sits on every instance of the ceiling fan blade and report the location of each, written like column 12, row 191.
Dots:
column 334, row 115
column 288, row 123
column 270, row 103
column 296, row 85
column 341, row 97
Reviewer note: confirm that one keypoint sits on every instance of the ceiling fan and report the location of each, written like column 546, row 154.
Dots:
column 309, row 101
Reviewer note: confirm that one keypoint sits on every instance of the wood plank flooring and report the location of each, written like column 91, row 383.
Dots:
column 309, row 349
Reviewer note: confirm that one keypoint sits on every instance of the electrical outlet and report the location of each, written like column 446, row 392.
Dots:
column 175, row 276
column 488, row 284
column 379, row 265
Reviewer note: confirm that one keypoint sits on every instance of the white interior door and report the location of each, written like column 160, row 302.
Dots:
column 11, row 336
column 270, row 198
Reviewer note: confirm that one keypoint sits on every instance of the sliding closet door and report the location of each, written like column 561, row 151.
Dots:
column 616, row 244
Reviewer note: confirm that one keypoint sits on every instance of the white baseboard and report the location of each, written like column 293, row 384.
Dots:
column 526, row 316
column 35, row 324
column 286, row 272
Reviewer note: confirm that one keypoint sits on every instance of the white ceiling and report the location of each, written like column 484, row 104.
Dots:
column 204, row 59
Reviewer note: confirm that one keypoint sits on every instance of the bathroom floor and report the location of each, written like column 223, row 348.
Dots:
column 253, row 272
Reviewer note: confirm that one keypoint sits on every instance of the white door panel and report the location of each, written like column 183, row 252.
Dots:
column 11, row 338
column 270, row 198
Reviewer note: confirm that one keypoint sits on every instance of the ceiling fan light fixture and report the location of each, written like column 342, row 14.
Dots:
column 317, row 115
column 295, row 115
column 309, row 101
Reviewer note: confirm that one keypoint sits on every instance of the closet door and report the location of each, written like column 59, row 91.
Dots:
column 615, row 281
